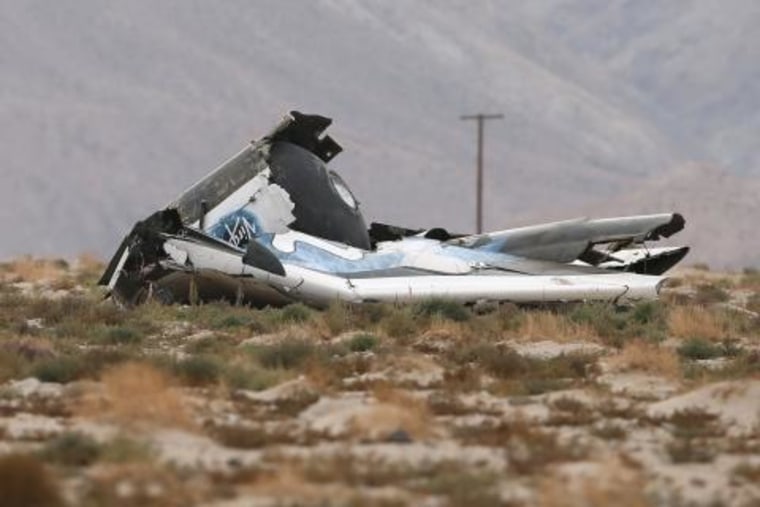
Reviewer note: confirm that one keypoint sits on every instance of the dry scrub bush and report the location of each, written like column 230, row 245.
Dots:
column 288, row 486
column 395, row 410
column 442, row 334
column 336, row 319
column 709, row 293
column 442, row 309
column 693, row 432
column 138, row 485
column 544, row 325
column 615, row 484
column 256, row 435
column 448, row 403
column 528, row 447
column 462, row 378
column 399, row 323
column 569, row 411
column 697, row 322
column 402, row 370
column 460, row 483
column 748, row 472
column 135, row 395
column 88, row 267
column 25, row 482
column 753, row 302
column 29, row 269
column 648, row 357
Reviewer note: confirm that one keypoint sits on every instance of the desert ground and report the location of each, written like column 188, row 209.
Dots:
column 432, row 404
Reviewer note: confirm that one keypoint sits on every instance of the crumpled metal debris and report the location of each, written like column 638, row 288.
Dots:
column 274, row 225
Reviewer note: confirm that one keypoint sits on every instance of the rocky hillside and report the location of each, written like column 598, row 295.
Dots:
column 431, row 404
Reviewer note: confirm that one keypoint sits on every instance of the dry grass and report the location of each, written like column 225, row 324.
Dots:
column 639, row 355
column 529, row 447
column 423, row 367
column 543, row 325
column 615, row 484
column 439, row 379
column 135, row 395
column 89, row 266
column 395, row 410
column 697, row 322
column 442, row 333
column 748, row 472
column 25, row 482
column 289, row 486
column 29, row 269
column 139, row 484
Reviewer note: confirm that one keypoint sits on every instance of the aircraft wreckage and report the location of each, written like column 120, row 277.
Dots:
column 273, row 225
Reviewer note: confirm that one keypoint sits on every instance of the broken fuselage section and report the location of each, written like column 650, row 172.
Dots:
column 274, row 225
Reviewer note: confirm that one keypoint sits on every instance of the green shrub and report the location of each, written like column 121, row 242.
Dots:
column 751, row 279
column 72, row 449
column 371, row 313
column 121, row 335
column 337, row 317
column 501, row 362
column 617, row 324
column 690, row 450
column 229, row 321
column 198, row 370
column 753, row 302
column 462, row 485
column 56, row 311
column 709, row 294
column 286, row 354
column 649, row 312
column 59, row 369
column 509, row 316
column 123, row 449
column 399, row 324
column 697, row 348
column 362, row 342
column 217, row 345
column 504, row 363
column 250, row 377
column 607, row 320
column 445, row 308
column 296, row 313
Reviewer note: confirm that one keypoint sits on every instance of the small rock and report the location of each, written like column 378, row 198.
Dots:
column 34, row 324
column 295, row 388
column 399, row 436
column 32, row 386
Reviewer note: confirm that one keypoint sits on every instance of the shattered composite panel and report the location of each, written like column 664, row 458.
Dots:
column 274, row 225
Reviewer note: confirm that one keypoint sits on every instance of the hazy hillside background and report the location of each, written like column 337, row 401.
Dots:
column 109, row 109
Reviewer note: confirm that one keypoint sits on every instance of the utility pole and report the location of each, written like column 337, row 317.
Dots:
column 481, row 119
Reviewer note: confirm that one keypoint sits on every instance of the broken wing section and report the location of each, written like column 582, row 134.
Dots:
column 276, row 183
column 591, row 241
column 418, row 274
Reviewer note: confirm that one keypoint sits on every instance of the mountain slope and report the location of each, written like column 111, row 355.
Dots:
column 694, row 64
column 107, row 111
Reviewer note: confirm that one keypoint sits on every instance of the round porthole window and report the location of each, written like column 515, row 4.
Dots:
column 342, row 190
